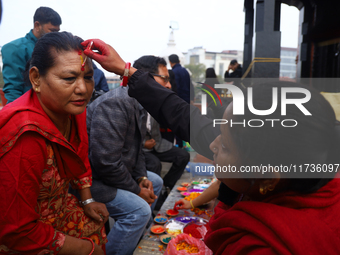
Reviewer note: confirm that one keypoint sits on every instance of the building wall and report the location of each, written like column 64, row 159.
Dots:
column 288, row 64
column 218, row 60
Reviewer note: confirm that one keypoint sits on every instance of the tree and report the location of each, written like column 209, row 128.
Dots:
column 197, row 72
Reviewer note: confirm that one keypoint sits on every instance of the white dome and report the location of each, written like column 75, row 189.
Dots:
column 171, row 49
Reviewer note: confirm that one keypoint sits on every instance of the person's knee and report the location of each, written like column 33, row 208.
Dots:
column 142, row 214
column 183, row 156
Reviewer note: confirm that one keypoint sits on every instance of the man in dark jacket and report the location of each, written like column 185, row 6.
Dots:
column 182, row 78
column 236, row 68
column 235, row 76
column 116, row 129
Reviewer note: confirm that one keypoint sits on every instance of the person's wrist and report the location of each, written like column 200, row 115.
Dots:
column 142, row 179
column 87, row 201
column 92, row 244
column 192, row 205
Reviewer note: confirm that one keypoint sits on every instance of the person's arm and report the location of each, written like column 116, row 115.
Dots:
column 209, row 194
column 163, row 104
column 108, row 128
column 14, row 61
column 171, row 111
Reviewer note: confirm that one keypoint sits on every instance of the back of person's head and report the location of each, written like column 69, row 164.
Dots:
column 311, row 141
column 47, row 48
column 233, row 62
column 46, row 15
column 210, row 73
column 149, row 63
column 174, row 59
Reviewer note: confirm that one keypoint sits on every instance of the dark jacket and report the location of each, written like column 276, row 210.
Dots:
column 100, row 82
column 115, row 124
column 183, row 82
column 236, row 74
column 171, row 111
column 183, row 119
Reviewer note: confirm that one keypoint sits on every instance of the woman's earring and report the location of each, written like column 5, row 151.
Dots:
column 36, row 89
column 264, row 188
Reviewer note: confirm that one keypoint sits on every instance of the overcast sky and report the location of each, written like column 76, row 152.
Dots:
column 140, row 27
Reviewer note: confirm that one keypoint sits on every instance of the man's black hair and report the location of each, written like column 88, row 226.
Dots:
column 45, row 15
column 233, row 62
column 149, row 63
column 174, row 59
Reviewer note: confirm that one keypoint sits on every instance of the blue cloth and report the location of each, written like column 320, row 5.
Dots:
column 100, row 82
column 183, row 82
column 15, row 55
column 131, row 214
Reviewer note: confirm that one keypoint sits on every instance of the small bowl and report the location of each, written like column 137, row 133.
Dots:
column 162, row 237
column 170, row 213
column 185, row 184
column 157, row 229
column 182, row 189
column 185, row 193
column 160, row 219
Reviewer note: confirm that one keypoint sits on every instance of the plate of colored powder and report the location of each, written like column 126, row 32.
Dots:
column 182, row 189
column 172, row 212
column 157, row 229
column 166, row 238
column 160, row 219
column 196, row 190
column 195, row 183
column 187, row 220
column 185, row 184
column 185, row 193
column 174, row 227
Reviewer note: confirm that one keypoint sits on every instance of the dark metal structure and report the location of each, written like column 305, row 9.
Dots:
column 319, row 39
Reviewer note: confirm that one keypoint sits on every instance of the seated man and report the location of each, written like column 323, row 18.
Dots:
column 116, row 128
column 155, row 147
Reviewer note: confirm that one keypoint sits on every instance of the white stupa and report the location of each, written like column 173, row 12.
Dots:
column 171, row 49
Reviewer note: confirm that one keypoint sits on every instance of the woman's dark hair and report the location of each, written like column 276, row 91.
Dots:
column 210, row 73
column 46, row 49
column 149, row 63
column 312, row 140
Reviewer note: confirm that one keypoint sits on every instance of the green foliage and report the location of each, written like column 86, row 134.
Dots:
column 197, row 72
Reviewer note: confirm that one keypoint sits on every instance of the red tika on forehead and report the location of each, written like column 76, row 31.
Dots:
column 79, row 52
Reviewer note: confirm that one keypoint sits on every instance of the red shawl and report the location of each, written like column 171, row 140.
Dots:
column 26, row 114
column 282, row 224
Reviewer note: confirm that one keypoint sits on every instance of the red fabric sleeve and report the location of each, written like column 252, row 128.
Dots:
column 20, row 170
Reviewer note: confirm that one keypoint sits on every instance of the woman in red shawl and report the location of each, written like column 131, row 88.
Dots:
column 44, row 148
column 282, row 195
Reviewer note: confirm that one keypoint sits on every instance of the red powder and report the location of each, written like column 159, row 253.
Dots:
column 192, row 229
column 158, row 230
column 172, row 212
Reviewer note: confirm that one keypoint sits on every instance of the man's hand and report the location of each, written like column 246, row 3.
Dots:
column 146, row 184
column 147, row 195
column 97, row 211
column 149, row 144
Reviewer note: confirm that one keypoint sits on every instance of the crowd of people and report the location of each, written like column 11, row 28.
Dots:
column 67, row 166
